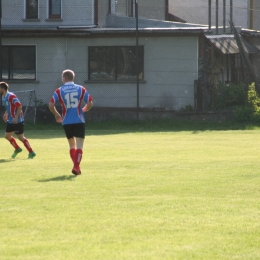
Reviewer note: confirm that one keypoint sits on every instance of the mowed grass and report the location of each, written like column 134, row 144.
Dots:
column 141, row 195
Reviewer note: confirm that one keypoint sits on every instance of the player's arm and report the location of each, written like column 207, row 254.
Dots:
column 89, row 105
column 18, row 112
column 55, row 112
column 5, row 116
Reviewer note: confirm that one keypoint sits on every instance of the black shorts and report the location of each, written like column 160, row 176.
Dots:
column 17, row 128
column 74, row 130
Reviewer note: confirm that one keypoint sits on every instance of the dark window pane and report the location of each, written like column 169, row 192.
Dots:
column 5, row 62
column 31, row 9
column 19, row 62
column 124, row 7
column 126, row 63
column 115, row 63
column 23, row 63
column 130, row 8
column 102, row 63
column 55, row 8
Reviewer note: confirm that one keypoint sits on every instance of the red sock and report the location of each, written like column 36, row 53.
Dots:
column 78, row 157
column 27, row 145
column 72, row 154
column 13, row 143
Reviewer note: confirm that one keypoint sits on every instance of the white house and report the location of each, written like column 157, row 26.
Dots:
column 97, row 39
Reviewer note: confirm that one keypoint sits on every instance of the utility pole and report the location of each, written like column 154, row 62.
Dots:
column 137, row 60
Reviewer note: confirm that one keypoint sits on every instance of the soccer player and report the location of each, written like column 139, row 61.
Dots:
column 70, row 96
column 15, row 121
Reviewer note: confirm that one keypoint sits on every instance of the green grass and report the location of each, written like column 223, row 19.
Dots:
column 144, row 193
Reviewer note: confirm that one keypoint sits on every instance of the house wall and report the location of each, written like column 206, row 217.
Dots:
column 147, row 9
column 13, row 13
column 103, row 7
column 196, row 11
column 256, row 16
column 170, row 68
column 151, row 9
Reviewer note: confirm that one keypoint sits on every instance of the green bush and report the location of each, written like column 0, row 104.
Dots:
column 250, row 112
column 229, row 96
column 243, row 114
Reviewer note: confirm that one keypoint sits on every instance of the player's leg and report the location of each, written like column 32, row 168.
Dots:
column 74, row 155
column 79, row 133
column 78, row 155
column 68, row 129
column 9, row 136
column 72, row 146
column 19, row 131
column 71, row 140
column 79, row 151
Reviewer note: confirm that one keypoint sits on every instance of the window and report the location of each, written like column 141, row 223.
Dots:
column 31, row 9
column 19, row 62
column 54, row 9
column 115, row 63
column 122, row 7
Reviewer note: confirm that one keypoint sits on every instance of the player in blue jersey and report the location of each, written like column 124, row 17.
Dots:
column 13, row 116
column 71, row 97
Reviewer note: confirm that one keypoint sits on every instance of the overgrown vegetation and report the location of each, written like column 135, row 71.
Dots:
column 243, row 100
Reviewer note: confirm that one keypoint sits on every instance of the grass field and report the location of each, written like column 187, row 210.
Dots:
column 143, row 194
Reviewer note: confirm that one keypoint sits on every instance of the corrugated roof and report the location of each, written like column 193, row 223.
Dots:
column 227, row 44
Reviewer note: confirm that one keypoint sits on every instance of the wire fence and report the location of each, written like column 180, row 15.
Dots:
column 98, row 40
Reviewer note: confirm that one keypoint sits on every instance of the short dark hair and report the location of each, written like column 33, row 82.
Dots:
column 4, row 85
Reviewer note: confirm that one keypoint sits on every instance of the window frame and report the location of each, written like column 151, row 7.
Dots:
column 54, row 16
column 129, row 7
column 115, row 79
column 26, row 11
column 10, row 65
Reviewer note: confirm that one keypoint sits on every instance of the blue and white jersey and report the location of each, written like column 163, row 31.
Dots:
column 11, row 103
column 71, row 96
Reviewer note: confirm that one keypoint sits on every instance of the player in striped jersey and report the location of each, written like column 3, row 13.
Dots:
column 71, row 96
column 15, row 121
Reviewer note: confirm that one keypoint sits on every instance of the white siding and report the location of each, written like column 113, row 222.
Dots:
column 170, row 68
column 13, row 13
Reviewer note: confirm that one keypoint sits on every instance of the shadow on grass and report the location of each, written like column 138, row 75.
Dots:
column 5, row 160
column 59, row 178
column 116, row 126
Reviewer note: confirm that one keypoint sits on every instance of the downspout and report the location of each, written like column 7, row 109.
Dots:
column 216, row 16
column 137, row 60
column 224, row 16
column 251, row 26
column 166, row 9
column 209, row 17
column 231, row 14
